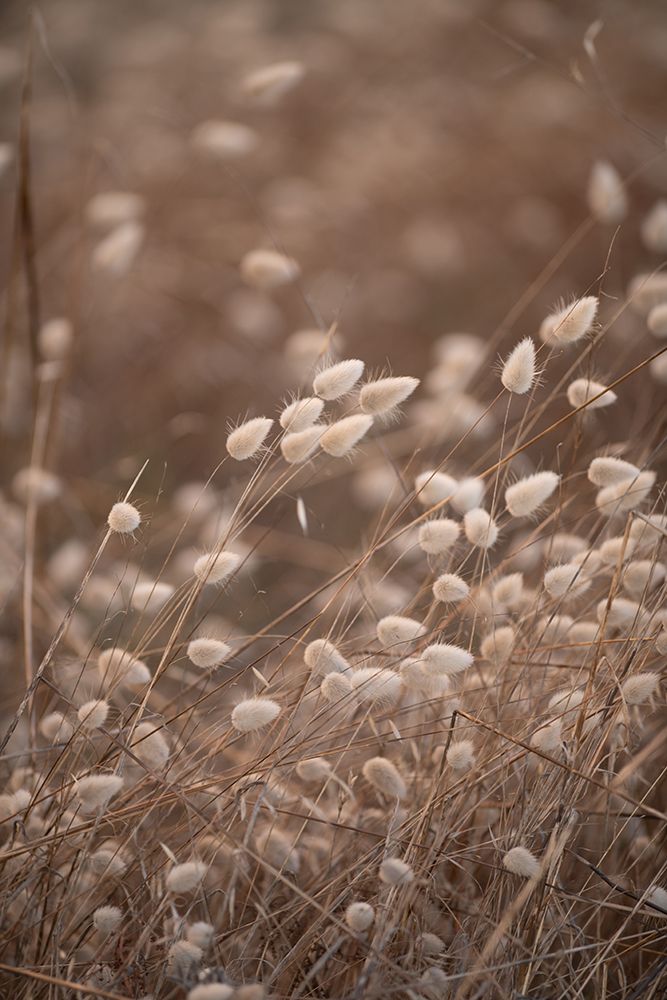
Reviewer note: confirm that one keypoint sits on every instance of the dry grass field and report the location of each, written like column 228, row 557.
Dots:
column 333, row 534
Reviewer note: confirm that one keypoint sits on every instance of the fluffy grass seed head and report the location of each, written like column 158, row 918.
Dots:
column 224, row 140
column 124, row 518
column 480, row 528
column 395, row 872
column 497, row 646
column 186, row 877
column 322, row 656
column 520, row 861
column 639, row 688
column 434, row 487
column 301, row 414
column 626, row 495
column 117, row 252
column 247, row 440
column 610, row 471
column 657, row 320
column 93, row 714
column 314, row 769
column 200, row 933
column 461, row 755
column 654, row 228
column 208, row 653
column 469, row 494
column 527, row 495
column 519, row 370
column 94, row 791
column 211, row 991
column 55, row 339
column 216, row 567
column 336, row 688
column 395, row 629
column 439, row 535
column 376, row 686
column 150, row 746
column 607, row 198
column 386, row 394
column 337, row 380
column 268, row 269
column 183, row 958
column 108, row 209
column 269, row 84
column 582, row 390
column 359, row 916
column 56, row 728
column 150, row 596
column 385, row 777
column 107, row 919
column 254, row 713
column 450, row 589
column 575, row 320
column 568, row 578
column 299, row 446
column 117, row 666
column 340, row 437
column 444, row 658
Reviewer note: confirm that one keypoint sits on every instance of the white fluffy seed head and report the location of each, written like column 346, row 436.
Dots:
column 461, row 755
column 527, row 495
column 208, row 653
column 270, row 84
column 480, row 528
column 439, row 535
column 56, row 728
column 566, row 579
column 340, row 437
column 395, row 629
column 150, row 746
column 110, row 208
column 254, row 713
column 359, row 916
column 498, row 645
column 386, row 394
column 647, row 290
column 444, row 658
column 619, row 613
column 507, row 592
column 224, row 140
column 93, row 714
column 210, row 991
column 607, row 199
column 186, row 877
column 582, row 390
column 657, row 320
column 450, row 589
column 34, row 483
column 394, row 871
column 625, row 496
column 268, row 269
column 299, row 446
column 339, row 379
column 432, row 944
column 385, row 777
column 95, row 790
column 548, row 738
column 201, row 934
column 575, row 320
column 518, row 374
column 216, row 567
column 643, row 575
column 301, row 414
column 124, row 518
column 434, row 487
column 336, row 687
column 116, row 253
column 107, row 919
column 322, row 656
column 117, row 666
column 247, row 440
column 314, row 769
column 520, row 861
column 150, row 596
column 55, row 339
column 469, row 494
column 610, row 471
column 183, row 958
column 639, row 688
column 654, row 228
column 417, row 679
column 376, row 686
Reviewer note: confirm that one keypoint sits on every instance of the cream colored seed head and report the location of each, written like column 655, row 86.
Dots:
column 268, row 269
column 607, row 199
column 301, row 414
column 529, row 494
column 340, row 438
column 450, row 589
column 518, row 374
column 339, row 379
column 395, row 872
column 254, row 713
column 107, row 919
column 93, row 714
column 300, row 446
column 216, row 567
column 438, row 536
column 124, row 518
column 359, row 916
column 395, row 629
column 385, row 777
column 208, row 653
column 386, row 394
column 186, row 877
column 247, row 440
column 520, row 861
column 480, row 528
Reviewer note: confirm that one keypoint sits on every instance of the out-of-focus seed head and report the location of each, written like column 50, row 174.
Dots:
column 55, row 339
column 583, row 390
column 268, row 269
column 268, row 85
column 93, row 714
column 185, row 877
column 607, row 199
column 657, row 321
column 56, row 728
column 117, row 252
column 385, row 777
column 395, row 872
column 639, row 688
column 461, row 755
column 434, row 487
column 654, row 228
column 520, row 861
column 201, row 934
column 469, row 494
column 376, row 686
column 96, row 790
column 107, row 919
column 359, row 916
column 498, row 645
column 225, row 140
